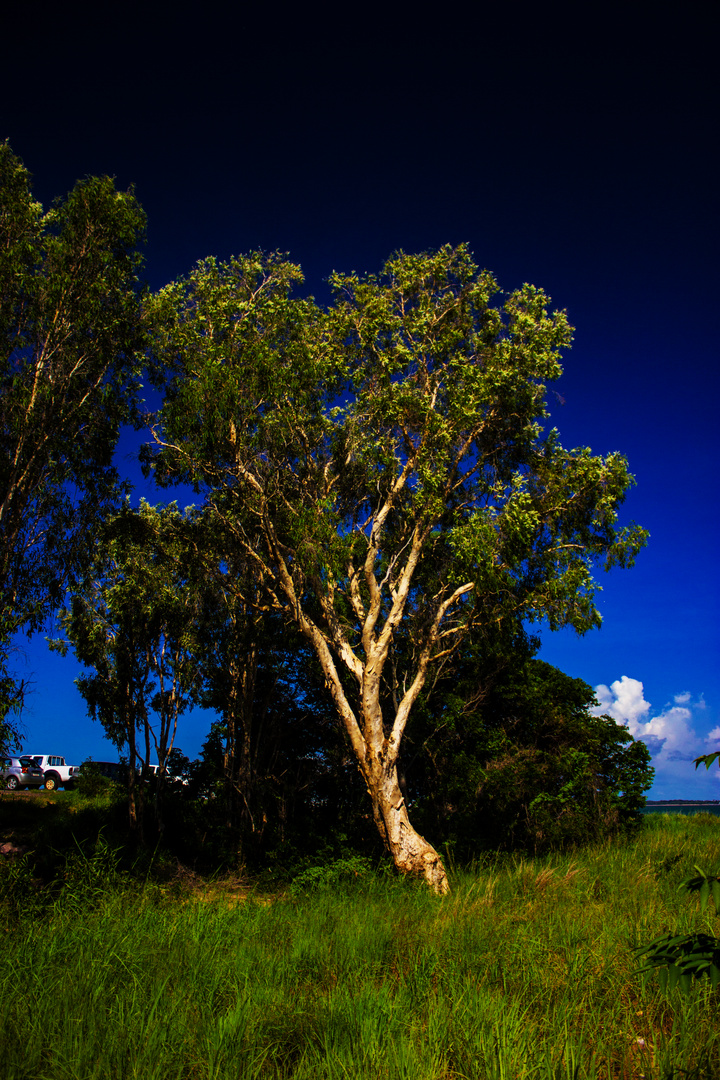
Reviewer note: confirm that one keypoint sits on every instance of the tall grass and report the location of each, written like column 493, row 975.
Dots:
column 524, row 971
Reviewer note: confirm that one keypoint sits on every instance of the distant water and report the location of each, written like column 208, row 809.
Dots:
column 683, row 808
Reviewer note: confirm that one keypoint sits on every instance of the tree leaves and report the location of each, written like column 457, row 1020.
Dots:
column 707, row 759
column 134, row 622
column 680, row 958
column 705, row 886
column 70, row 353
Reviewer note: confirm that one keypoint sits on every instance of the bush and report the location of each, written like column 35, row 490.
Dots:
column 91, row 783
column 527, row 767
column 329, row 875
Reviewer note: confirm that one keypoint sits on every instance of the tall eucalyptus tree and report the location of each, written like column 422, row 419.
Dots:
column 384, row 466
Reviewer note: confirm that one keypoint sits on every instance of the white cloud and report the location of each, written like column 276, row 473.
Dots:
column 624, row 700
column 670, row 736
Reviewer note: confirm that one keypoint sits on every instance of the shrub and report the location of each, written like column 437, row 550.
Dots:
column 90, row 781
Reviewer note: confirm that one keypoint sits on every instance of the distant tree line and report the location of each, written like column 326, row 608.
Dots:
column 382, row 518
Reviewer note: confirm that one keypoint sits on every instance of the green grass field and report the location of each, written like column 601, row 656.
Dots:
column 525, row 971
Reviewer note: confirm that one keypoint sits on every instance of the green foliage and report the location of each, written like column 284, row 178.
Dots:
column 133, row 620
column 682, row 958
column 90, row 782
column 12, row 699
column 330, row 875
column 88, row 875
column 707, row 759
column 19, row 893
column 306, row 799
column 706, row 887
column 270, row 751
column 75, row 880
column 70, row 358
column 513, row 758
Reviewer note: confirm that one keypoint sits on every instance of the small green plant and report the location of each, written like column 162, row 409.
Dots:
column 89, row 876
column 680, row 958
column 19, row 893
column 90, row 782
column 329, row 875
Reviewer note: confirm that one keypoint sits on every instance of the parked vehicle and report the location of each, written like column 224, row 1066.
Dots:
column 170, row 778
column 56, row 772
column 21, row 772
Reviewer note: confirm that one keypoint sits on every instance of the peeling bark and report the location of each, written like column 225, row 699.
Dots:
column 411, row 853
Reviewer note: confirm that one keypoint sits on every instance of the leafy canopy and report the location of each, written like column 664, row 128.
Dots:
column 403, row 423
column 70, row 357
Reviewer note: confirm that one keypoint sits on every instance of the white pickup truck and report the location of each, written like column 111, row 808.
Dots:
column 56, row 772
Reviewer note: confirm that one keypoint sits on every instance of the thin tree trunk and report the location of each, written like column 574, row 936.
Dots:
column 135, row 791
column 230, row 754
column 245, row 777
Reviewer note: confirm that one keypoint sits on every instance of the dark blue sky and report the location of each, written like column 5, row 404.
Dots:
column 573, row 146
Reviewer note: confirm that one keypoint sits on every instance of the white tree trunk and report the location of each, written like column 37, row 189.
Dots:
column 411, row 853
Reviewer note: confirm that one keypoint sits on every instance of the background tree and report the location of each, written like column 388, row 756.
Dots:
column 383, row 464
column 240, row 666
column 302, row 789
column 513, row 758
column 260, row 679
column 69, row 365
column 269, row 758
column 133, row 620
column 12, row 696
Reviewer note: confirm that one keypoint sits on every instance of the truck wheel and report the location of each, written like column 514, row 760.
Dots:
column 51, row 781
column 12, row 783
